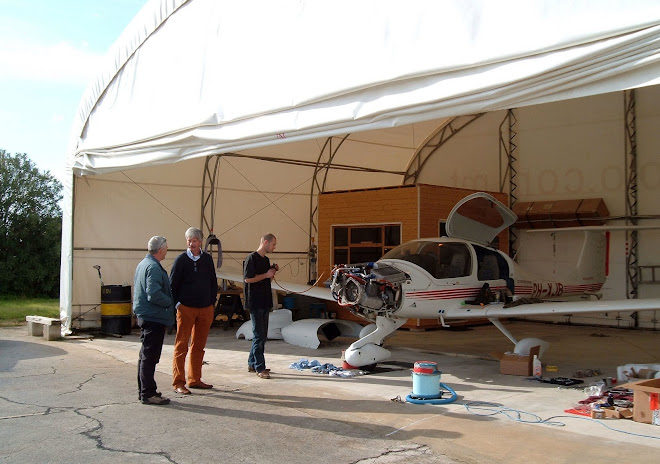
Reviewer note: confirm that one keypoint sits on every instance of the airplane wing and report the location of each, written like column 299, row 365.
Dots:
column 288, row 287
column 497, row 310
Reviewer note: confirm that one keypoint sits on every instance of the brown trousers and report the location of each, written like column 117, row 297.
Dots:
column 192, row 327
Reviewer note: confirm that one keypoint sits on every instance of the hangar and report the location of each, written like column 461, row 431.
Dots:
column 202, row 117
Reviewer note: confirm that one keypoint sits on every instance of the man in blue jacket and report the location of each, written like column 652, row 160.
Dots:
column 154, row 307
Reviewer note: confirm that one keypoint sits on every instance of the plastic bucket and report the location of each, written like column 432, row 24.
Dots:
column 116, row 309
column 425, row 367
column 289, row 302
column 426, row 380
column 316, row 310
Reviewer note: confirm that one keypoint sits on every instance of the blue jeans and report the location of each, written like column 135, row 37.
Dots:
column 259, row 319
column 152, row 335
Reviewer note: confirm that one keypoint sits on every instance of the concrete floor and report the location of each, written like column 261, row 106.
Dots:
column 497, row 418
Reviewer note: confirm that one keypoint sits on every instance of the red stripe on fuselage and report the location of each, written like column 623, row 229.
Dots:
column 445, row 294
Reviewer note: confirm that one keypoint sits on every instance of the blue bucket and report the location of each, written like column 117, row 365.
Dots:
column 317, row 310
column 426, row 380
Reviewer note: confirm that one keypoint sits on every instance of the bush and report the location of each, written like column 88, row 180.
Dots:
column 30, row 228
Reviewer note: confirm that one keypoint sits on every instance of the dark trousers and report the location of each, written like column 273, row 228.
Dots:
column 152, row 335
column 259, row 319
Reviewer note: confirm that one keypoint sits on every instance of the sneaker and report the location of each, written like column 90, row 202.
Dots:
column 157, row 400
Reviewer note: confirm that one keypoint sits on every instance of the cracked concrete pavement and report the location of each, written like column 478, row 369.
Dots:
column 76, row 401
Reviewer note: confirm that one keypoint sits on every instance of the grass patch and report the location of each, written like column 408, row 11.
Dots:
column 14, row 310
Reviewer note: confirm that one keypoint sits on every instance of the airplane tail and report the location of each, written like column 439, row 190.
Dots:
column 591, row 266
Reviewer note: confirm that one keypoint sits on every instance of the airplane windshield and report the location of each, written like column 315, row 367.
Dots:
column 441, row 260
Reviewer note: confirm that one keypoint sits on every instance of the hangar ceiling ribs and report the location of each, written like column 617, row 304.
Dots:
column 448, row 129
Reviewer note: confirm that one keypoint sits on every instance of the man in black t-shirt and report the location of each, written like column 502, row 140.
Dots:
column 257, row 274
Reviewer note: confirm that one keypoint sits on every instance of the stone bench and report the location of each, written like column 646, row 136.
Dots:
column 47, row 327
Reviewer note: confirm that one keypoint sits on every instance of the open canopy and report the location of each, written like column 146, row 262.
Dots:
column 479, row 218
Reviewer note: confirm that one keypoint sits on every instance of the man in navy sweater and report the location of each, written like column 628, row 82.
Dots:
column 195, row 288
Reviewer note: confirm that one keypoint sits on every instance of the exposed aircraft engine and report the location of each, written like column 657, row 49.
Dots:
column 369, row 286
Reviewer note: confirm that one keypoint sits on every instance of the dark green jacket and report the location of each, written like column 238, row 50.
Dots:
column 152, row 295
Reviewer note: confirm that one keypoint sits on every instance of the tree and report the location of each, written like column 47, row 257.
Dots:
column 30, row 228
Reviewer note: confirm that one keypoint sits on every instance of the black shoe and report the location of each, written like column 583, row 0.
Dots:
column 156, row 400
column 157, row 394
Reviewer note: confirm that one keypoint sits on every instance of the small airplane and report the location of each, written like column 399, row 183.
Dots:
column 463, row 277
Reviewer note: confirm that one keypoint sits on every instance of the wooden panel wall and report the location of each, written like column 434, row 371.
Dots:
column 389, row 205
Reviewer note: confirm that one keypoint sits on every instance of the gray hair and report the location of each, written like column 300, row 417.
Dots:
column 194, row 232
column 156, row 243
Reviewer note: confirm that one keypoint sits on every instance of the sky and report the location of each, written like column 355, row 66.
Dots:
column 50, row 51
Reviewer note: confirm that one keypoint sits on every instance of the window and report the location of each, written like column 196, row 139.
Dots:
column 441, row 260
column 490, row 264
column 360, row 244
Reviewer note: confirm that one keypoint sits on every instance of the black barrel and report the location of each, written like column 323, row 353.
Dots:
column 116, row 309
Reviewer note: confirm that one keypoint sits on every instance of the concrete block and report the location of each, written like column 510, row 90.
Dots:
column 35, row 329
column 52, row 332
column 47, row 327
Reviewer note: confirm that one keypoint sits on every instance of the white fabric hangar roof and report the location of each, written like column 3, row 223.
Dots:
column 192, row 78
column 199, row 77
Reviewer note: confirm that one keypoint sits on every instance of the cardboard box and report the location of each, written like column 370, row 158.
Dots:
column 645, row 399
column 520, row 208
column 644, row 373
column 539, row 215
column 516, row 364
column 625, row 413
column 564, row 213
column 591, row 211
column 614, row 413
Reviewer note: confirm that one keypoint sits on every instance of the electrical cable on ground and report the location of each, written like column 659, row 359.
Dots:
column 518, row 416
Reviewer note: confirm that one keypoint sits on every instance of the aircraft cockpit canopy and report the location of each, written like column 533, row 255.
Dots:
column 479, row 218
column 440, row 259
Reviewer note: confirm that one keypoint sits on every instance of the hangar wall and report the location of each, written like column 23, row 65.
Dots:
column 567, row 150
column 570, row 149
column 253, row 197
column 110, row 228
